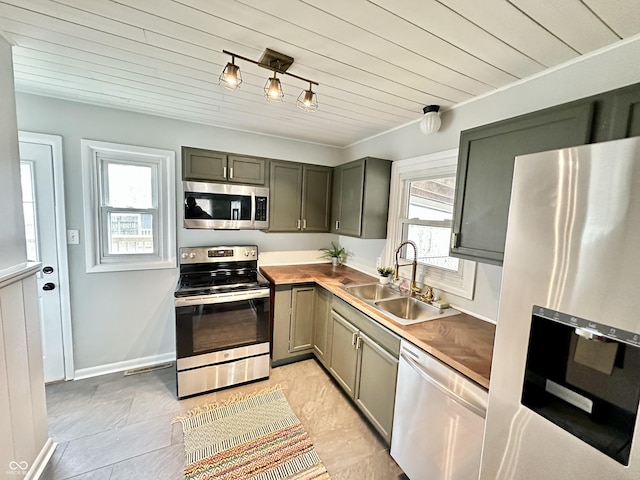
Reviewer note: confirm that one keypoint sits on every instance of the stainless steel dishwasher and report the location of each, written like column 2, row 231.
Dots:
column 438, row 421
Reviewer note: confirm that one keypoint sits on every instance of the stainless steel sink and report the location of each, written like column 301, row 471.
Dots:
column 370, row 292
column 401, row 308
column 409, row 310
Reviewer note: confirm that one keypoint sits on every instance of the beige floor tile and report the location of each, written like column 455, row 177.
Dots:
column 117, row 427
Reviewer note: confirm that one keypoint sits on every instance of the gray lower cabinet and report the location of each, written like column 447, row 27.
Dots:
column 293, row 315
column 209, row 166
column 364, row 361
column 378, row 369
column 344, row 356
column 360, row 201
column 300, row 197
column 322, row 327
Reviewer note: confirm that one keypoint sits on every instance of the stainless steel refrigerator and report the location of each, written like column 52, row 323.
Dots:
column 565, row 380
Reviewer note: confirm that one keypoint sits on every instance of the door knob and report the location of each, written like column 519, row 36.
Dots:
column 49, row 286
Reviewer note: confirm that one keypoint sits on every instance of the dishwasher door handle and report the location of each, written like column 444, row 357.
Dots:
column 452, row 395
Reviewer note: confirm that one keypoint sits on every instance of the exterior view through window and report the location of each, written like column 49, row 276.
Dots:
column 428, row 221
column 129, row 208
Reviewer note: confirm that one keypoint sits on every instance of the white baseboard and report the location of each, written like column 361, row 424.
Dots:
column 125, row 365
column 41, row 460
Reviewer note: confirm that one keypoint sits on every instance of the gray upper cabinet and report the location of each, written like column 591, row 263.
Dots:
column 625, row 113
column 209, row 166
column 485, row 170
column 360, row 202
column 300, row 196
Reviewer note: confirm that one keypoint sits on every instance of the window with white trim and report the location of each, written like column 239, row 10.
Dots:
column 421, row 210
column 129, row 216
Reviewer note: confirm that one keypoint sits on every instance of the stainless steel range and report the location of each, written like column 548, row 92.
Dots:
column 222, row 319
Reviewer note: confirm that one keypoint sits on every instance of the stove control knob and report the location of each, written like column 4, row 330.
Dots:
column 192, row 255
column 247, row 253
column 184, row 255
column 253, row 253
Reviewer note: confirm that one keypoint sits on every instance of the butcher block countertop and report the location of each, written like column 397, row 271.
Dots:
column 461, row 341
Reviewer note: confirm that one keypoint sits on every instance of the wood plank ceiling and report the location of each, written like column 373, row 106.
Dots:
column 378, row 62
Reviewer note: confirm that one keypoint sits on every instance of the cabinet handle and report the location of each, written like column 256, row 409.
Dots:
column 298, row 224
column 454, row 239
column 230, row 172
column 304, row 224
column 224, row 172
column 358, row 343
column 337, row 224
column 354, row 338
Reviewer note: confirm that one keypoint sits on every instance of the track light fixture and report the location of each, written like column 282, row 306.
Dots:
column 308, row 100
column 273, row 89
column 430, row 122
column 230, row 77
column 277, row 63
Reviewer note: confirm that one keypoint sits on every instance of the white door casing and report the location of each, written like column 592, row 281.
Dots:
column 44, row 154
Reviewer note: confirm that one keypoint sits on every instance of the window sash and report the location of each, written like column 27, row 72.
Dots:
column 405, row 223
column 105, row 233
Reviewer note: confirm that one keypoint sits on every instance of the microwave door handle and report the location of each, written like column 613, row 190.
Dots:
column 253, row 208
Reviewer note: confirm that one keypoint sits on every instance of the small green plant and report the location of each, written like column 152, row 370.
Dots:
column 385, row 271
column 335, row 251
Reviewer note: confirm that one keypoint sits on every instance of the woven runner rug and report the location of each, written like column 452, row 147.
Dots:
column 254, row 437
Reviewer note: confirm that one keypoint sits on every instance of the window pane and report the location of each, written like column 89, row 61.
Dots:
column 130, row 233
column 432, row 199
column 130, row 186
column 433, row 245
column 29, row 210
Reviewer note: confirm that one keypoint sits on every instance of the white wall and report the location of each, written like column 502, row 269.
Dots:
column 23, row 421
column 604, row 70
column 118, row 317
column 12, row 240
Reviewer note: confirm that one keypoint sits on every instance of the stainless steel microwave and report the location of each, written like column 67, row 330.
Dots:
column 223, row 206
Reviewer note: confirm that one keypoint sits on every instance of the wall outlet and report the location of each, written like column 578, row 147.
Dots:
column 73, row 237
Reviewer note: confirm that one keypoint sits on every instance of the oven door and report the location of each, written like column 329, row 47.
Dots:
column 209, row 328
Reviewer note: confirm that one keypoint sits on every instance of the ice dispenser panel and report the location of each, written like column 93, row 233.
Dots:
column 584, row 377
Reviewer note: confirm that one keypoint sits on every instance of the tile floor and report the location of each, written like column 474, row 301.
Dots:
column 115, row 427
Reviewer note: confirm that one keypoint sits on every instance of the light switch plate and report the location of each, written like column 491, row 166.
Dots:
column 73, row 237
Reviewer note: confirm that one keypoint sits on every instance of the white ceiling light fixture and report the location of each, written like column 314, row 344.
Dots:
column 277, row 63
column 430, row 122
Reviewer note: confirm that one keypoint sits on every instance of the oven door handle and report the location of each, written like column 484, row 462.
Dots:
column 221, row 298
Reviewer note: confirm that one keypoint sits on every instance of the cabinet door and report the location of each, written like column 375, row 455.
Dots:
column 351, row 196
column 321, row 325
column 485, row 170
column 203, row 165
column 376, row 384
column 302, row 314
column 343, row 353
column 625, row 116
column 316, row 198
column 285, row 196
column 246, row 170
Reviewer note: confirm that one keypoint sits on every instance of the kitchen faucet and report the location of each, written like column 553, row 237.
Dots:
column 413, row 287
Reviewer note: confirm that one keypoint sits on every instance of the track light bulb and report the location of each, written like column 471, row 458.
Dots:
column 273, row 89
column 230, row 77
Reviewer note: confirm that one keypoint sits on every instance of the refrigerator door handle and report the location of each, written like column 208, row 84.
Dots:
column 454, row 396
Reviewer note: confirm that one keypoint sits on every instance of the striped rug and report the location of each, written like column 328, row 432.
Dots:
column 256, row 437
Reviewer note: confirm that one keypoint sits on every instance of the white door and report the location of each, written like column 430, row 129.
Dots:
column 41, row 214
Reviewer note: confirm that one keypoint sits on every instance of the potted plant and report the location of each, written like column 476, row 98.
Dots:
column 336, row 253
column 385, row 273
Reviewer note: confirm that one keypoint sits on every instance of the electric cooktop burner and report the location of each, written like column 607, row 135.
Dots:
column 213, row 270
